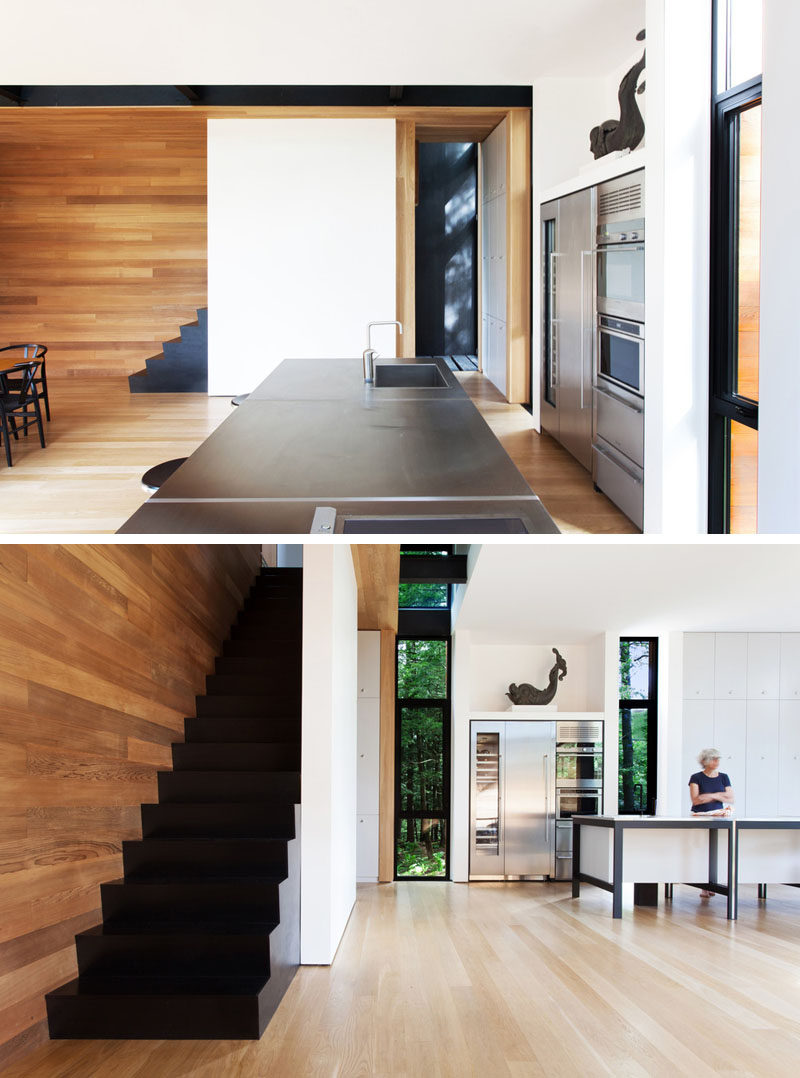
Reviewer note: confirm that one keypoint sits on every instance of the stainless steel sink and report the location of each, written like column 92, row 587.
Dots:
column 410, row 375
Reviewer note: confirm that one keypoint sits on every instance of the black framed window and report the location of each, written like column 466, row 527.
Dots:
column 422, row 755
column 735, row 266
column 428, row 596
column 638, row 724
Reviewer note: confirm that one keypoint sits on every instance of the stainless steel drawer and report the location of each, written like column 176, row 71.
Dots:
column 563, row 866
column 619, row 423
column 620, row 480
column 563, row 837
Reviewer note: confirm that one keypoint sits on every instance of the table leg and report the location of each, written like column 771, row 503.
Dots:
column 733, row 872
column 617, row 894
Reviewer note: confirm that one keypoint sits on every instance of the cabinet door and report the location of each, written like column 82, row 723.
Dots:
column 762, row 759
column 698, row 666
column 698, row 733
column 730, row 737
column 369, row 664
column 789, row 766
column 730, row 666
column 368, row 762
column 790, row 666
column 763, row 664
column 367, row 847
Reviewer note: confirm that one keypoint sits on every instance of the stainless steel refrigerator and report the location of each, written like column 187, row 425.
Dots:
column 568, row 300
column 512, row 809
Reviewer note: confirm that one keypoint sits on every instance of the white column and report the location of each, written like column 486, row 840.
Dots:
column 779, row 375
column 459, row 757
column 611, row 724
column 329, row 715
column 678, row 214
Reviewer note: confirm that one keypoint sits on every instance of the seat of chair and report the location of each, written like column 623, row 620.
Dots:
column 154, row 477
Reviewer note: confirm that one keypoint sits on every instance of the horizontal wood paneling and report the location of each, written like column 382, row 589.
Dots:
column 102, row 650
column 103, row 222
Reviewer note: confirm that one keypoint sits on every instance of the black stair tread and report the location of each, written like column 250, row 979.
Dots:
column 190, row 927
column 148, row 985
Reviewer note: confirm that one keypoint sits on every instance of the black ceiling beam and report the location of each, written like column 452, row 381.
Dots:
column 11, row 94
column 500, row 97
column 433, row 568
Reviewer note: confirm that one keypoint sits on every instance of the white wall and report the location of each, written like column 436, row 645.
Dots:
column 494, row 667
column 301, row 243
column 779, row 377
column 329, row 713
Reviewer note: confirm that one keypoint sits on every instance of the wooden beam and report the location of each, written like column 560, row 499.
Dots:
column 377, row 568
column 406, row 262
column 386, row 787
column 518, row 256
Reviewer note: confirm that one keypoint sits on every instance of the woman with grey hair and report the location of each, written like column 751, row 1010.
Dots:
column 710, row 791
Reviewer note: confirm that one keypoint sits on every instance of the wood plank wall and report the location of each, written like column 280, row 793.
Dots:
column 102, row 650
column 102, row 232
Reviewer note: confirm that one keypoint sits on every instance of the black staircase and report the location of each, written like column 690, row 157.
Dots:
column 183, row 365
column 201, row 937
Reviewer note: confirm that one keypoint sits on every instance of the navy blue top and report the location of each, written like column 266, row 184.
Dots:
column 709, row 785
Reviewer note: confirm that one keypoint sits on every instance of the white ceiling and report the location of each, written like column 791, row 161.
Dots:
column 573, row 591
column 315, row 42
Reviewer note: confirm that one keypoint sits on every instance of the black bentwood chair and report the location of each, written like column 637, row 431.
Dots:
column 18, row 393
column 28, row 352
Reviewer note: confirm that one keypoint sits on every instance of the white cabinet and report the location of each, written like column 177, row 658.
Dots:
column 367, row 848
column 698, row 733
column 762, row 760
column 698, row 666
column 730, row 737
column 368, row 763
column 368, row 755
column 763, row 665
column 369, row 664
column 790, row 666
column 730, row 666
column 789, row 759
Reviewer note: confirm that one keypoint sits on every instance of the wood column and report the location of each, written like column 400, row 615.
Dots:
column 386, row 834
column 518, row 254
column 406, row 199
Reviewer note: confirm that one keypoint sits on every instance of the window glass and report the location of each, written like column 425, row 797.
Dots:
column 421, row 669
column 422, row 759
column 634, row 669
column 748, row 251
column 633, row 750
column 422, row 848
column 423, row 596
column 742, row 479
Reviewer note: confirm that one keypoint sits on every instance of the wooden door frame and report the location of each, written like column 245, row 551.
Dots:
column 441, row 125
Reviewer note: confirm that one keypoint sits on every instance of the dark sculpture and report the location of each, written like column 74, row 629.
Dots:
column 529, row 694
column 628, row 131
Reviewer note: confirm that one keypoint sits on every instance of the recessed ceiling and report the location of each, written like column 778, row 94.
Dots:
column 316, row 42
column 572, row 592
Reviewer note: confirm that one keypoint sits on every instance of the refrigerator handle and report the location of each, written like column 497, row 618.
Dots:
column 583, row 323
column 547, row 797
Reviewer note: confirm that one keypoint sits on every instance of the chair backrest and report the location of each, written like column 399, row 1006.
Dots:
column 24, row 388
column 29, row 351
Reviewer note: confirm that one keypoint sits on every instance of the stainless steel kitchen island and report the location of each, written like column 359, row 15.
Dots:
column 386, row 458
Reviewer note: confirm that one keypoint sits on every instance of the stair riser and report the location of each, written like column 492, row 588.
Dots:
column 235, row 902
column 287, row 665
column 233, row 757
column 207, row 858
column 172, row 956
column 201, row 821
column 281, row 683
column 204, row 787
column 229, row 728
column 265, row 706
column 153, row 1018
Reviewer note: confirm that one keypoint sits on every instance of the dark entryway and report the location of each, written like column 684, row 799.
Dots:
column 447, row 249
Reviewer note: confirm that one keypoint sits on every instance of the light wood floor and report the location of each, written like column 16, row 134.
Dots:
column 103, row 438
column 511, row 981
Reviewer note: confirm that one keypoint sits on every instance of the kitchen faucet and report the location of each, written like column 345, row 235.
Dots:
column 370, row 355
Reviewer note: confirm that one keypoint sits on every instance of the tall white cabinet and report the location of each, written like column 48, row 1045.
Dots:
column 741, row 695
column 368, row 763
